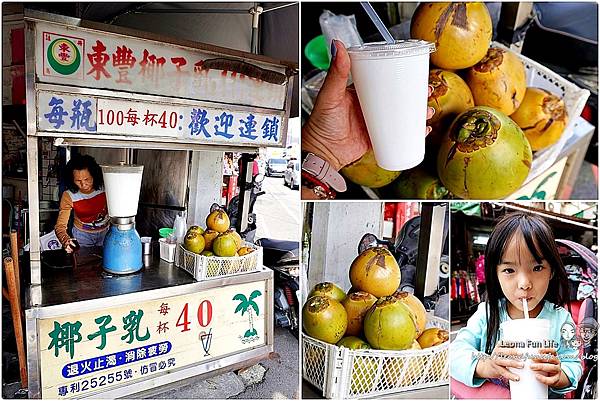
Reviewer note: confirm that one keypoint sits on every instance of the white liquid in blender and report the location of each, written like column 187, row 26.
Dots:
column 122, row 193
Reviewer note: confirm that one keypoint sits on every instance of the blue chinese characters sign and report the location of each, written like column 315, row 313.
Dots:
column 86, row 114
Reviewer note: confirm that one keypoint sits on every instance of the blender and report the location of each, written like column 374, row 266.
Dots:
column 122, row 245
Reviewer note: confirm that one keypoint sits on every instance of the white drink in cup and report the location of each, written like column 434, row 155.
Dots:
column 391, row 83
column 528, row 335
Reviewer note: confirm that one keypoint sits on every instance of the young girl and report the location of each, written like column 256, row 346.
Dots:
column 521, row 262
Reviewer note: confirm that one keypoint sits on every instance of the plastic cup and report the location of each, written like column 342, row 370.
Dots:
column 146, row 245
column 528, row 335
column 167, row 250
column 391, row 84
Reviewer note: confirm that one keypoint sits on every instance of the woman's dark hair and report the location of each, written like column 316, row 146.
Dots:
column 540, row 241
column 83, row 162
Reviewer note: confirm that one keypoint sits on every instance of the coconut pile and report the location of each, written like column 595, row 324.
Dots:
column 217, row 240
column 487, row 122
column 372, row 315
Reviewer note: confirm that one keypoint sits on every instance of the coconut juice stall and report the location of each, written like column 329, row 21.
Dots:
column 505, row 126
column 131, row 317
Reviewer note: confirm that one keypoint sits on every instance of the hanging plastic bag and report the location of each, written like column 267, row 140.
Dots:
column 339, row 27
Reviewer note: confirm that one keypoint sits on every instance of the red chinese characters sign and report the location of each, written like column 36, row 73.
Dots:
column 96, row 59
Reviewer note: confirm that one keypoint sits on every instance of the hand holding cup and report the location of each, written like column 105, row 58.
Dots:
column 496, row 366
column 548, row 370
column 336, row 130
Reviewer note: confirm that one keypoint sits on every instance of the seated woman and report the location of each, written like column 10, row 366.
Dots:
column 86, row 198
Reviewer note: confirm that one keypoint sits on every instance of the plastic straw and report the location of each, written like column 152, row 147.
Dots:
column 378, row 22
column 525, row 308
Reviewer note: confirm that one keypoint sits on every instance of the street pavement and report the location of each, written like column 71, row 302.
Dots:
column 278, row 377
column 282, row 377
column 278, row 211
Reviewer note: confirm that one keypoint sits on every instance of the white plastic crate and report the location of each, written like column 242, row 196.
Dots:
column 340, row 372
column 210, row 267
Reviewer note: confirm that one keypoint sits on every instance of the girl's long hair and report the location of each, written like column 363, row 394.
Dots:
column 540, row 241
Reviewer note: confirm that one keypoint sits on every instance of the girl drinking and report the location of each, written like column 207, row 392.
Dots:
column 521, row 263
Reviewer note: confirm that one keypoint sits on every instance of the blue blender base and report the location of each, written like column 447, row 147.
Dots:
column 122, row 251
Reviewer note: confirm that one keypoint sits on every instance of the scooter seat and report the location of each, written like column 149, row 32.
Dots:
column 282, row 245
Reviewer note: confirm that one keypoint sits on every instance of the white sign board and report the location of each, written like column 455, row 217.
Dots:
column 95, row 59
column 86, row 353
column 543, row 187
column 96, row 115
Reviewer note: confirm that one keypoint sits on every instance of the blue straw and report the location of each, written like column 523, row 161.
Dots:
column 377, row 21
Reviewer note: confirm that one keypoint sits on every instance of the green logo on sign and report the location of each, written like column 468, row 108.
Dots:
column 63, row 56
column 248, row 305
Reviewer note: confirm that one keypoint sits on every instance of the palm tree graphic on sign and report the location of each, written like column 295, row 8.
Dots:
column 248, row 305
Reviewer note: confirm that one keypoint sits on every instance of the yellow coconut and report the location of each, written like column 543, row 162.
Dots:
column 462, row 32
column 498, row 81
column 542, row 116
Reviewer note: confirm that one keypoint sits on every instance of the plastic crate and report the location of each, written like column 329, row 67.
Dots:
column 210, row 267
column 574, row 97
column 340, row 372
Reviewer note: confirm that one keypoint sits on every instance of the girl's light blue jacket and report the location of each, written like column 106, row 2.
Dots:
column 471, row 340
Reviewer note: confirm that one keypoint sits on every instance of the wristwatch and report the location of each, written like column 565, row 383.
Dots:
column 323, row 179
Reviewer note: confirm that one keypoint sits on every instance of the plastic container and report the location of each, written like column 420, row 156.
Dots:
column 345, row 373
column 165, row 231
column 528, row 335
column 209, row 267
column 146, row 245
column 180, row 226
column 167, row 251
column 391, row 83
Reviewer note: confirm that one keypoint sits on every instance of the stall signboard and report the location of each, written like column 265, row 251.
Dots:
column 83, row 57
column 86, row 114
column 543, row 187
column 83, row 354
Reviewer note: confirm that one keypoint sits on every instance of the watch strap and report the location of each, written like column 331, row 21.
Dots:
column 323, row 172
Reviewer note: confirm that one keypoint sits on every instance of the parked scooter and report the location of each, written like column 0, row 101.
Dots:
column 283, row 258
column 232, row 209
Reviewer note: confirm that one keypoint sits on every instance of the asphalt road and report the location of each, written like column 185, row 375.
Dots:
column 278, row 213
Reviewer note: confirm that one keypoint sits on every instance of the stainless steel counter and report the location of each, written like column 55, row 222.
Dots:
column 89, row 281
